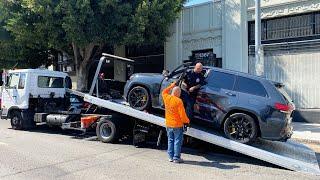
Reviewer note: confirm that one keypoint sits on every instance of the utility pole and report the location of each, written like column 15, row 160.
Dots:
column 259, row 63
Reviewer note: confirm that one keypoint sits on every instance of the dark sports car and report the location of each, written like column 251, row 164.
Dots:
column 242, row 105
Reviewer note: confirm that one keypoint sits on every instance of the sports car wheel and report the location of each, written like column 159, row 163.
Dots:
column 139, row 98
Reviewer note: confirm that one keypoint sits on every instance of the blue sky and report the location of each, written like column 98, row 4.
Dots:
column 192, row 2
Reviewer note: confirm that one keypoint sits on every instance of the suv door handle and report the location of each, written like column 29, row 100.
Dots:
column 230, row 94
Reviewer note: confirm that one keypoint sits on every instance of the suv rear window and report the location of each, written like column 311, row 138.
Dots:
column 250, row 86
column 50, row 82
column 284, row 94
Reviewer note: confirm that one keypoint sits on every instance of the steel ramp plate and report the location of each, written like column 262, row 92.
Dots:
column 290, row 155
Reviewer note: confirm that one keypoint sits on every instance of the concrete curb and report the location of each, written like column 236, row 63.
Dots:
column 304, row 140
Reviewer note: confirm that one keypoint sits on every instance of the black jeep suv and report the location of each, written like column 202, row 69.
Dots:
column 242, row 105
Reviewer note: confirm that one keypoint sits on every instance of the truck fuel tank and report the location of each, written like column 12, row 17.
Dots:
column 58, row 119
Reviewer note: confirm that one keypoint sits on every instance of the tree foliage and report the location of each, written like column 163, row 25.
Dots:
column 87, row 25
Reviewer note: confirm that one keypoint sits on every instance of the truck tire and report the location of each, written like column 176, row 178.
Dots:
column 16, row 120
column 107, row 131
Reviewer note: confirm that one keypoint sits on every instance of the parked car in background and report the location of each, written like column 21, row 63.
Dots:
column 76, row 103
column 0, row 102
column 243, row 106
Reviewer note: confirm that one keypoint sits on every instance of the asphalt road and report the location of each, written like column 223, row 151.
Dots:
column 55, row 154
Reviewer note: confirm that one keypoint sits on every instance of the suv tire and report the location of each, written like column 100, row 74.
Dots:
column 241, row 127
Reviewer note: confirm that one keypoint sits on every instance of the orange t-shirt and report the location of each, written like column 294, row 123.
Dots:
column 175, row 113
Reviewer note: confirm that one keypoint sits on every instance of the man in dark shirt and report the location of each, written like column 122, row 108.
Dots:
column 193, row 80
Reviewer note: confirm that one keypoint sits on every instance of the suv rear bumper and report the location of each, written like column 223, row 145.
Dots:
column 277, row 129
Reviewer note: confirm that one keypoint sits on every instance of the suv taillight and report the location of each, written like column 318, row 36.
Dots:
column 283, row 107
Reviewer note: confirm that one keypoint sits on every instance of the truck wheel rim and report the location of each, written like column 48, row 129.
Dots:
column 105, row 131
column 15, row 121
column 239, row 128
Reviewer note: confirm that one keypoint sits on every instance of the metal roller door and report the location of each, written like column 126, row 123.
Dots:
column 298, row 67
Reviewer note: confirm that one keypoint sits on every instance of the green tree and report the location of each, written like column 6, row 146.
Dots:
column 16, row 52
column 88, row 25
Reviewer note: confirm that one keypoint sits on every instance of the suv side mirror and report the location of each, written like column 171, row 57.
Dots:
column 165, row 73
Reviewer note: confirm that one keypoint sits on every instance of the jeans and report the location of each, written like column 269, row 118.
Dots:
column 188, row 103
column 175, row 138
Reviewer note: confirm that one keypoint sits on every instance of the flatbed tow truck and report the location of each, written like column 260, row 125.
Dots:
column 290, row 155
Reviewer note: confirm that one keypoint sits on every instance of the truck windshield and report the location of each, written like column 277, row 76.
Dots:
column 13, row 81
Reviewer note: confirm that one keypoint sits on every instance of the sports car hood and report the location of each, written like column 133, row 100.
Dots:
column 153, row 77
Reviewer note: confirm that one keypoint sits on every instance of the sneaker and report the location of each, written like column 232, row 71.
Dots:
column 170, row 160
column 178, row 161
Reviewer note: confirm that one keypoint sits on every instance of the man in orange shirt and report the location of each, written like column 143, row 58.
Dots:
column 176, row 117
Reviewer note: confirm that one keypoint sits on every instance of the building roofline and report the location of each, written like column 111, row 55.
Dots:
column 200, row 4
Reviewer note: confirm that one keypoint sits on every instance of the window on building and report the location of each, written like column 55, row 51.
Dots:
column 50, row 82
column 206, row 57
column 291, row 28
column 317, row 23
column 250, row 86
column 221, row 80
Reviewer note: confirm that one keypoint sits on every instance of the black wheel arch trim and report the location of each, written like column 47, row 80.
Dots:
column 12, row 109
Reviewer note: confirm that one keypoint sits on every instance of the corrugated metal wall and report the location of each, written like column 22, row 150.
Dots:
column 298, row 67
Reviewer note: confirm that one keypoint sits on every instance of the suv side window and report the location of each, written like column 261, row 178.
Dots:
column 222, row 80
column 250, row 86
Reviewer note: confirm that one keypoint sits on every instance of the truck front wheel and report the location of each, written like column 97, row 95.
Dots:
column 107, row 131
column 16, row 120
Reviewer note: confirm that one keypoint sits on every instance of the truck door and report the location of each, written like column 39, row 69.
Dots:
column 13, row 94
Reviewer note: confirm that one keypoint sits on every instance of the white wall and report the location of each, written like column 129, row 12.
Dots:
column 235, row 38
column 199, row 27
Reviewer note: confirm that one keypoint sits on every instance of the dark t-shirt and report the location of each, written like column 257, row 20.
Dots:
column 194, row 79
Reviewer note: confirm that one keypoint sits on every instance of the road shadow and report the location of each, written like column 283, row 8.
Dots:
column 222, row 156
column 318, row 158
column 216, row 157
column 215, row 164
column 74, row 134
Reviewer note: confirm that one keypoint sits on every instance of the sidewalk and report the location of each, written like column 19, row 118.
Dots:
column 306, row 132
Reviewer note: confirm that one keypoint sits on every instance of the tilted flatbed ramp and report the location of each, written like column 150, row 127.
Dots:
column 290, row 155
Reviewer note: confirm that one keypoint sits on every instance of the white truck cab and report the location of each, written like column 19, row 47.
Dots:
column 29, row 91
